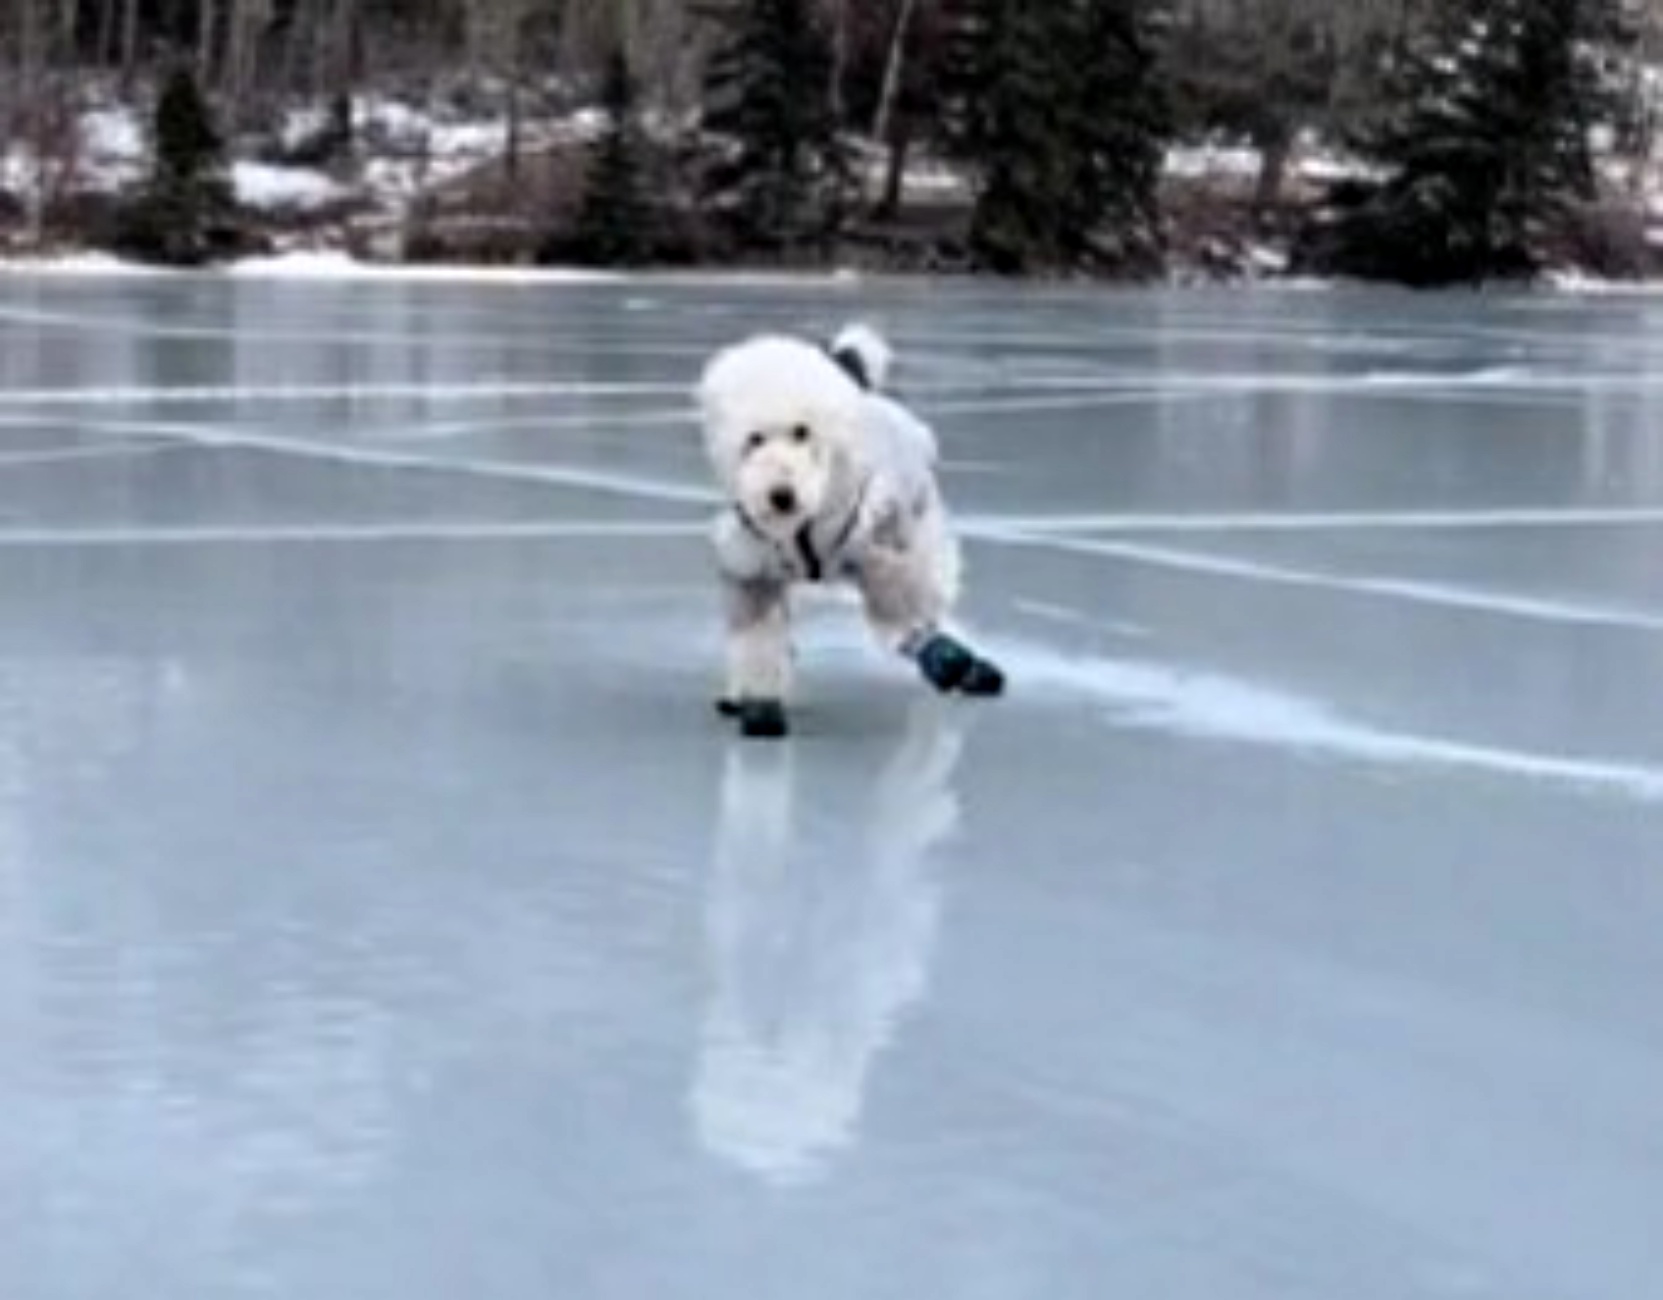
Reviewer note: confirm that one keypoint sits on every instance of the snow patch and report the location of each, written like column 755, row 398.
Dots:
column 1313, row 162
column 17, row 172
column 1196, row 162
column 92, row 264
column 300, row 125
column 324, row 265
column 269, row 188
column 114, row 135
column 1571, row 281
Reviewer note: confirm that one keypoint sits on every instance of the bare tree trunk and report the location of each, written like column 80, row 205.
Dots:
column 501, row 36
column 840, row 59
column 29, row 55
column 893, row 69
column 297, row 43
column 511, row 142
column 129, row 46
column 105, row 46
column 205, row 14
column 69, row 20
column 46, row 119
column 235, row 63
column 341, row 57
column 1275, row 148
column 31, row 58
column 330, row 59
column 246, row 22
column 895, row 173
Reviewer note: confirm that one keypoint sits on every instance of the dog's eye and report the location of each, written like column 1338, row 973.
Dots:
column 754, row 443
column 800, row 433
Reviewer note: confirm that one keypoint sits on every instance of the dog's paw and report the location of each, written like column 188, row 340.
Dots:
column 761, row 719
column 983, row 678
column 950, row 665
column 944, row 662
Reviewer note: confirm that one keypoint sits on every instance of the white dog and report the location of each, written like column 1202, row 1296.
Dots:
column 828, row 479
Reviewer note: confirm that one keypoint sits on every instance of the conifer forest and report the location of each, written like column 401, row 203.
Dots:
column 1428, row 142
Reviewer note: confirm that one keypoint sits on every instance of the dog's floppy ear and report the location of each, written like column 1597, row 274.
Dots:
column 851, row 364
column 707, row 392
column 715, row 391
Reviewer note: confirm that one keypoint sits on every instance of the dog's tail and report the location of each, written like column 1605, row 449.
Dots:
column 864, row 354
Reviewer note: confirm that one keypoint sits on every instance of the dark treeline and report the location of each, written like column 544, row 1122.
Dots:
column 785, row 130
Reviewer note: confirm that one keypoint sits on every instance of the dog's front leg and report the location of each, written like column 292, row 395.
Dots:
column 759, row 655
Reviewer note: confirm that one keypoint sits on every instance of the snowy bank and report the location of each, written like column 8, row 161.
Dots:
column 306, row 266
column 327, row 265
column 341, row 266
column 268, row 188
column 331, row 265
column 68, row 264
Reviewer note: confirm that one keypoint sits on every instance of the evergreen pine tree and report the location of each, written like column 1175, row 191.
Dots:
column 1484, row 143
column 616, row 224
column 784, row 184
column 1010, row 120
column 975, row 37
column 1119, row 117
column 186, row 211
column 1056, row 109
column 188, row 146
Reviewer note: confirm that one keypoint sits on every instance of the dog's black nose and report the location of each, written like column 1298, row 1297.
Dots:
column 783, row 499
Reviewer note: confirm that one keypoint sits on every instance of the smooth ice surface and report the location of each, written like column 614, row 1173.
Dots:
column 384, row 913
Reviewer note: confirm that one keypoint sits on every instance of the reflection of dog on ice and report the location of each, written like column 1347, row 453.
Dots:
column 828, row 479
column 814, row 963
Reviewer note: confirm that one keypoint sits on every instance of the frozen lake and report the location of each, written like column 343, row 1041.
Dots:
column 384, row 912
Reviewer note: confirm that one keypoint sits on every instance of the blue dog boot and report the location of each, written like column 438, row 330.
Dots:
column 762, row 719
column 944, row 662
column 984, row 678
column 950, row 665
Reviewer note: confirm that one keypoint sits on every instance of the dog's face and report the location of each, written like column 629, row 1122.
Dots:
column 784, row 476
column 780, row 423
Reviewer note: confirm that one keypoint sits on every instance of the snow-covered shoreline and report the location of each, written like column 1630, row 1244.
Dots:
column 335, row 265
column 313, row 216
column 339, row 266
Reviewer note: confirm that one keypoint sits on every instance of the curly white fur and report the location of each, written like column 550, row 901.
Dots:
column 829, row 481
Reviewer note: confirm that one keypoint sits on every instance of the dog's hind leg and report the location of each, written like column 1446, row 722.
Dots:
column 907, row 602
column 903, row 600
column 759, row 655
